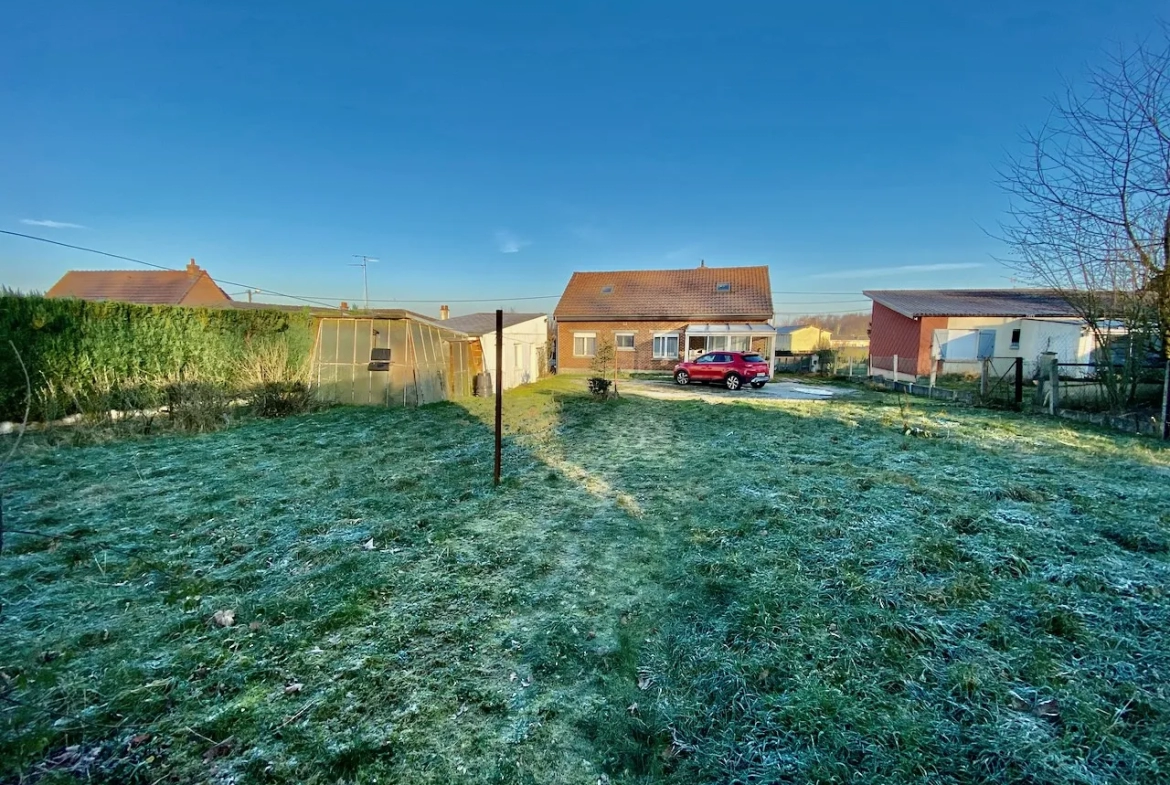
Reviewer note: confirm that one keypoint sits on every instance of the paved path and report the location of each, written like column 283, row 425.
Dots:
column 789, row 391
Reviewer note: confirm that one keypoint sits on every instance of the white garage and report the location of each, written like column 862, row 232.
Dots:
column 525, row 342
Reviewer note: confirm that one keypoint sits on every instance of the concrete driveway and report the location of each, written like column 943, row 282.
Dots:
column 784, row 390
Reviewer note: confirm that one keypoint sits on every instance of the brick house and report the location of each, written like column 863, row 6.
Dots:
column 191, row 287
column 655, row 317
column 952, row 330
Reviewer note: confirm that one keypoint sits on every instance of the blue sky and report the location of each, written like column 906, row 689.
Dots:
column 490, row 149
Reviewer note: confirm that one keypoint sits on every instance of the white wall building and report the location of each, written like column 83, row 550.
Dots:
column 525, row 342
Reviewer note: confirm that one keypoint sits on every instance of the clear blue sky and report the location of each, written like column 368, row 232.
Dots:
column 489, row 149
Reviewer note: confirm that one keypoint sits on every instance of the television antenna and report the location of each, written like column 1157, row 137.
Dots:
column 366, row 261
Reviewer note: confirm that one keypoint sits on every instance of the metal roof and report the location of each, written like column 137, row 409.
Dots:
column 350, row 313
column 972, row 302
column 478, row 324
column 731, row 293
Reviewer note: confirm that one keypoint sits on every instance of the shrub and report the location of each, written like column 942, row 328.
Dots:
column 93, row 357
column 599, row 386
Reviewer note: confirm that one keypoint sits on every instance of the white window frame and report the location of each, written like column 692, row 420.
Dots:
column 584, row 337
column 665, row 354
column 734, row 342
column 621, row 333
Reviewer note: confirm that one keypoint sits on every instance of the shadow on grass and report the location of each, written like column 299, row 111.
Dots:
column 659, row 591
column 434, row 625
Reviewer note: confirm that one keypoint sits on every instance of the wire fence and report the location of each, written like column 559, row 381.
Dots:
column 1130, row 397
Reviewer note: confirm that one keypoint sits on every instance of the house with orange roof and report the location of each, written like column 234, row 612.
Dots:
column 191, row 286
column 654, row 318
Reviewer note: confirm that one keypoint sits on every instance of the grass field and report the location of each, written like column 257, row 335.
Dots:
column 864, row 590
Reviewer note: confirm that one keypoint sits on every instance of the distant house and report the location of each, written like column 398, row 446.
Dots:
column 192, row 286
column 525, row 342
column 953, row 330
column 801, row 339
column 654, row 317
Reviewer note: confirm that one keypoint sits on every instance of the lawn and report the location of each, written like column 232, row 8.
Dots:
column 863, row 590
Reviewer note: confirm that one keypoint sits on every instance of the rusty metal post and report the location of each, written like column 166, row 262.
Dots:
column 499, row 393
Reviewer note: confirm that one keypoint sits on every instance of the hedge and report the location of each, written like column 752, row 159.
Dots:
column 77, row 348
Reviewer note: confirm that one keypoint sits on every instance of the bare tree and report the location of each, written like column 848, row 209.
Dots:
column 1090, row 205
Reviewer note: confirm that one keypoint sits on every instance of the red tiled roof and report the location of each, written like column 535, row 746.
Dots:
column 149, row 287
column 714, row 293
column 973, row 302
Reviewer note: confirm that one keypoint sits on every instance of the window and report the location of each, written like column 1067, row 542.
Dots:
column 607, row 290
column 723, row 358
column 584, row 344
column 1015, row 339
column 517, row 355
column 666, row 346
column 723, row 287
column 752, row 358
column 707, row 358
column 623, row 342
column 740, row 343
column 716, row 342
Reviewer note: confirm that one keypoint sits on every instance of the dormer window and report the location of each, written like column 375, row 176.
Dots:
column 723, row 287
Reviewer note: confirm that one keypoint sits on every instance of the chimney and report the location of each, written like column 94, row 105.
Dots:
column 444, row 313
column 344, row 306
column 192, row 268
column 702, row 262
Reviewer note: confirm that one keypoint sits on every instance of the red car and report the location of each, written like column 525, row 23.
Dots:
column 731, row 369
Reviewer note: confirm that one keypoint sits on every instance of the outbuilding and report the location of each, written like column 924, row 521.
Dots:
column 389, row 358
column 525, row 344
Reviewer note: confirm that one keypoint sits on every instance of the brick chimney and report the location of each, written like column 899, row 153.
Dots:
column 444, row 313
column 344, row 306
column 192, row 268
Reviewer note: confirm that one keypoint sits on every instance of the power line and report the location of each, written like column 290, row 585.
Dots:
column 814, row 312
column 321, row 300
column 825, row 302
column 449, row 300
column 161, row 267
column 785, row 291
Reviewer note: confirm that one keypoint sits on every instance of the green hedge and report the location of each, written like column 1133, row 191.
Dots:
column 78, row 348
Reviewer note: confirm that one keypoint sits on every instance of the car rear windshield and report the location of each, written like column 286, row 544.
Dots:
column 752, row 358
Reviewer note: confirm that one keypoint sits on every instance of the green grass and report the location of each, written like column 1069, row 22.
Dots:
column 660, row 591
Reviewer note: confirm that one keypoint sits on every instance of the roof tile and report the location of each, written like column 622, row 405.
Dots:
column 148, row 287
column 695, row 293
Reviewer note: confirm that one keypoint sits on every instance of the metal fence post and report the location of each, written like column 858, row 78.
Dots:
column 895, row 369
column 1054, row 382
column 499, row 395
column 1020, row 381
column 1166, row 402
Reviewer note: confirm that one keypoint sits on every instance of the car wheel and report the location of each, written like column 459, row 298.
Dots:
column 758, row 385
column 733, row 381
column 682, row 377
